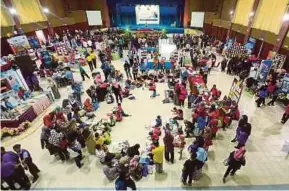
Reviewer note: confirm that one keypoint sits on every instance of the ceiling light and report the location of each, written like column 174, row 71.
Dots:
column 13, row 11
column 231, row 12
column 251, row 14
column 45, row 10
column 286, row 17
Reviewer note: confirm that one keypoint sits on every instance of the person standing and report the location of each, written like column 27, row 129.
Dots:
column 158, row 157
column 262, row 94
column 188, row 170
column 93, row 57
column 83, row 73
column 127, row 69
column 89, row 62
column 135, row 70
column 235, row 160
column 182, row 96
column 274, row 97
column 285, row 116
column 26, row 159
column 117, row 91
column 12, row 170
column 169, row 146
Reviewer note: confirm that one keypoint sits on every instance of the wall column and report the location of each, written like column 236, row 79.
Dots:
column 186, row 13
column 251, row 21
column 106, row 13
column 231, row 21
column 15, row 18
column 282, row 34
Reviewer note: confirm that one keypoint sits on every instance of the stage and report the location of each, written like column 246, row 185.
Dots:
column 151, row 27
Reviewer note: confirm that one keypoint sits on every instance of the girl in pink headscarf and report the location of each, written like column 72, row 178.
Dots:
column 98, row 79
column 235, row 161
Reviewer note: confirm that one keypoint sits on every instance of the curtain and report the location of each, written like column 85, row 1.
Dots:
column 6, row 19
column 269, row 15
column 242, row 12
column 29, row 11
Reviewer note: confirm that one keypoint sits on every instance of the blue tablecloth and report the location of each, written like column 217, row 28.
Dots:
column 150, row 65
column 150, row 49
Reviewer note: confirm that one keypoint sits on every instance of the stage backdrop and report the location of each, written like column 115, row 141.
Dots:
column 147, row 14
column 123, row 13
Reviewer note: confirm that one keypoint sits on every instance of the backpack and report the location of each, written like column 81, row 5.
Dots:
column 119, row 185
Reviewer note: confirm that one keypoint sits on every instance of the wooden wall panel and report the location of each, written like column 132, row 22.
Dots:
column 228, row 5
column 56, row 8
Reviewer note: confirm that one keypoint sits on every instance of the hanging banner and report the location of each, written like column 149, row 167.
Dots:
column 19, row 44
column 264, row 70
column 285, row 84
column 236, row 90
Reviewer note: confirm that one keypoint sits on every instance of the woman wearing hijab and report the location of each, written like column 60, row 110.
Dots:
column 236, row 159
column 52, row 84
column 182, row 96
column 117, row 91
column 242, row 122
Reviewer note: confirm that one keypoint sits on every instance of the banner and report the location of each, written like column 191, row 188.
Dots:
column 19, row 44
column 285, row 84
column 250, row 45
column 236, row 90
column 147, row 14
column 264, row 70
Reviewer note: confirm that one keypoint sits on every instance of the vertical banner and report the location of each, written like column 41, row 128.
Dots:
column 285, row 84
column 264, row 70
column 19, row 44
column 236, row 90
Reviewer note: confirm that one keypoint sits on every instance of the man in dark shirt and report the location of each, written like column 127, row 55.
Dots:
column 189, row 167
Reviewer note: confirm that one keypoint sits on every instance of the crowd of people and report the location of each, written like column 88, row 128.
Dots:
column 65, row 133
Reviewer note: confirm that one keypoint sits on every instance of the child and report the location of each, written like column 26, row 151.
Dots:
column 179, row 115
column 158, row 121
column 154, row 94
column 99, row 140
column 75, row 152
column 106, row 135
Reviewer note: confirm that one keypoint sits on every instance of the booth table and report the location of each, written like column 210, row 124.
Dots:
column 28, row 115
column 150, row 66
column 36, row 106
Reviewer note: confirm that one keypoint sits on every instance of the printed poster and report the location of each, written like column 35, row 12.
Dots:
column 264, row 70
column 19, row 44
column 285, row 84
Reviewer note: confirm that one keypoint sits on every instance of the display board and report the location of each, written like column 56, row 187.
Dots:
column 264, row 70
column 197, row 19
column 236, row 90
column 94, row 18
column 278, row 61
column 250, row 45
column 147, row 14
column 19, row 44
column 285, row 83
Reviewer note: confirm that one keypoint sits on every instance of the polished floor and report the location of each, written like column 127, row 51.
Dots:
column 267, row 166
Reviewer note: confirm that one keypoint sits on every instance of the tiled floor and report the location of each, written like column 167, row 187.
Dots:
column 267, row 166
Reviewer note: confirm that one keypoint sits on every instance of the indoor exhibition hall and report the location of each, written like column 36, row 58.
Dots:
column 144, row 94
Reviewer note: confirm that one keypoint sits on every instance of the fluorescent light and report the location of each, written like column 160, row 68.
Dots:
column 45, row 10
column 13, row 11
